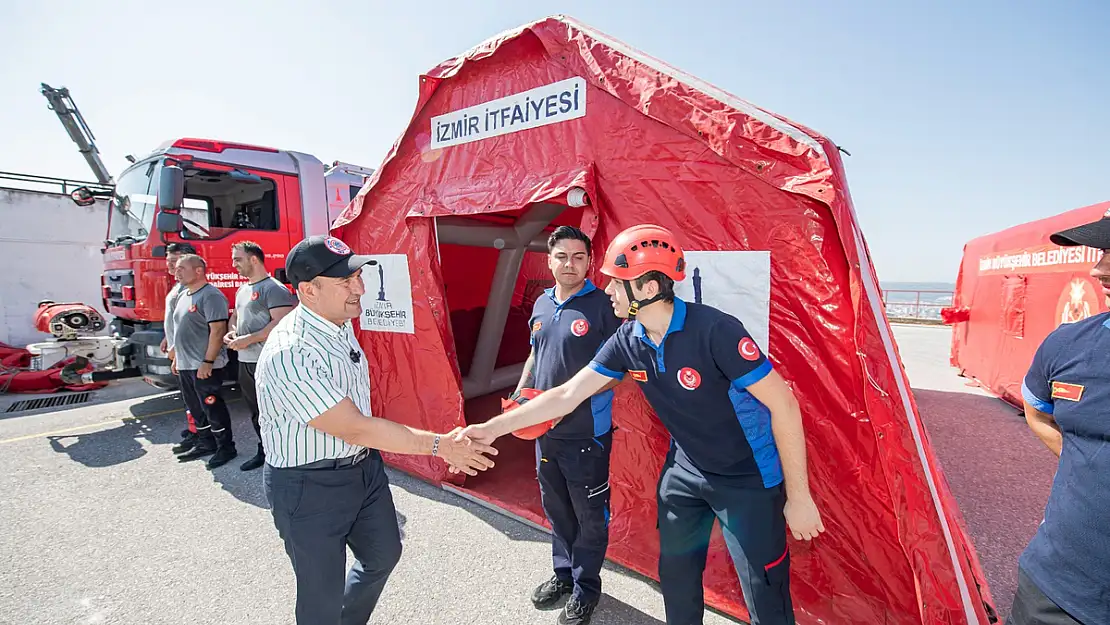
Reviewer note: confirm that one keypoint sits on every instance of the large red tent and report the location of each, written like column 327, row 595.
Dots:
column 556, row 123
column 1015, row 287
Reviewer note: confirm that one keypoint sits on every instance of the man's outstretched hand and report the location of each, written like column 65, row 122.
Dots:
column 476, row 435
column 465, row 454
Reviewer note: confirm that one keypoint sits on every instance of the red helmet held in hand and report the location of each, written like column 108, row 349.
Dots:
column 532, row 432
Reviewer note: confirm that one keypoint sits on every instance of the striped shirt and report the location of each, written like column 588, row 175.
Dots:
column 305, row 368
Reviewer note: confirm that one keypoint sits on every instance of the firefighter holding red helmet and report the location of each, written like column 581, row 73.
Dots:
column 737, row 452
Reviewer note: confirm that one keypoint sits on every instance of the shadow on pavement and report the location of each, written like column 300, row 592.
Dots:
column 999, row 473
column 120, row 444
column 159, row 421
column 511, row 528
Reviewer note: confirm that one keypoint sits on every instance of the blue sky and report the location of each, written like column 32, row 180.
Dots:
column 962, row 118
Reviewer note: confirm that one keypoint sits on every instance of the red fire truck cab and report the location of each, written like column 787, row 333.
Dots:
column 211, row 194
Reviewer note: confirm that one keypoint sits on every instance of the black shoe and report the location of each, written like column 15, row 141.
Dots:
column 200, row 450
column 186, row 444
column 255, row 462
column 576, row 613
column 222, row 457
column 546, row 594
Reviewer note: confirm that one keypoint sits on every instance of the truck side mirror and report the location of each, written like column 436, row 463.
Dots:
column 171, row 189
column 82, row 196
column 169, row 222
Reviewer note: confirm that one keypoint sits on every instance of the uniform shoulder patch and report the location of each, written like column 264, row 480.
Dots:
column 1066, row 391
column 638, row 374
column 748, row 349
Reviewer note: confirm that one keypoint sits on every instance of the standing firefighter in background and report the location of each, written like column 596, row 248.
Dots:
column 569, row 323
column 200, row 323
column 730, row 416
column 259, row 305
column 1064, row 573
column 174, row 252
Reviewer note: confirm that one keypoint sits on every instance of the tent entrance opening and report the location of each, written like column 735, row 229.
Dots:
column 494, row 267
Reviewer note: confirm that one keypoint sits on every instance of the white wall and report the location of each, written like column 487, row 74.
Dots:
column 49, row 249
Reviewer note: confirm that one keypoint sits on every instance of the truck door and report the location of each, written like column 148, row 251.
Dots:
column 225, row 205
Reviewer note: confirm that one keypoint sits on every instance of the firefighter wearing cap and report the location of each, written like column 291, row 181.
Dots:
column 1064, row 573
column 738, row 449
column 569, row 324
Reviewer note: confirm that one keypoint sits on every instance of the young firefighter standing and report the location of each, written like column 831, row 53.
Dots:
column 738, row 448
column 259, row 306
column 570, row 322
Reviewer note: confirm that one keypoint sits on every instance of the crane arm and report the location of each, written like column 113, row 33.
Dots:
column 62, row 105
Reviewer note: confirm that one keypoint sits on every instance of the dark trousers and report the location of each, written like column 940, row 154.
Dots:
column 574, row 490
column 1033, row 607
column 205, row 401
column 754, row 530
column 319, row 513
column 246, row 382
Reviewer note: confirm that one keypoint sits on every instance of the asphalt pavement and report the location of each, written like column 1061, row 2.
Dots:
column 101, row 524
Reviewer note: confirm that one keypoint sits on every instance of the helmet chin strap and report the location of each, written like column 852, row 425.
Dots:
column 634, row 305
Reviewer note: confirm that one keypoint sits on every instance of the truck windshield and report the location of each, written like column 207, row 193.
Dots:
column 133, row 205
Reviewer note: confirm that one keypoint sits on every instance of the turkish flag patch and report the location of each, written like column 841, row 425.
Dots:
column 748, row 349
column 1070, row 392
column 254, row 296
column 580, row 327
column 193, row 308
column 638, row 375
column 211, row 399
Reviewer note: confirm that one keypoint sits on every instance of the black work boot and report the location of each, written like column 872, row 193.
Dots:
column 223, row 456
column 187, row 442
column 203, row 447
column 576, row 612
column 257, row 461
column 548, row 593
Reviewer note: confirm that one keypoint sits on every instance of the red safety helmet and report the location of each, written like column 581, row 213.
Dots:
column 531, row 432
column 641, row 249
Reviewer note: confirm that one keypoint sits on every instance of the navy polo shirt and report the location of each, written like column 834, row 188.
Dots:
column 1069, row 557
column 565, row 337
column 696, row 381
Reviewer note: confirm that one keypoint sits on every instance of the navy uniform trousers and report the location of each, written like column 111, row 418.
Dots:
column 574, row 490
column 321, row 511
column 754, row 530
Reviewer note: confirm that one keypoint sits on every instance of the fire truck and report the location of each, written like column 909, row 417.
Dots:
column 211, row 194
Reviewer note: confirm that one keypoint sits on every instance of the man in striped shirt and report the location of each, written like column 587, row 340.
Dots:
column 324, row 476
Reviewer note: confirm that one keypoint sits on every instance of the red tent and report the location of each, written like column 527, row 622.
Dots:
column 556, row 123
column 1013, row 289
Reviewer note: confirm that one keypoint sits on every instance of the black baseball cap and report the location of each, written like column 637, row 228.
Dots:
column 1095, row 234
column 322, row 256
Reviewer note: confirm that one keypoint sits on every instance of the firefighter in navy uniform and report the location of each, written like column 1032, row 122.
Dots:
column 1064, row 572
column 738, row 449
column 569, row 323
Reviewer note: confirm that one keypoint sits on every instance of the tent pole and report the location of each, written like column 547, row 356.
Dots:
column 513, row 242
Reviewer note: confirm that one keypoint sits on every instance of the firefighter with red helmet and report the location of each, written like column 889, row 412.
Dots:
column 737, row 452
column 569, row 324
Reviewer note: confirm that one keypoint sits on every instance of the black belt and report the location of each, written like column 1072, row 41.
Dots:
column 336, row 463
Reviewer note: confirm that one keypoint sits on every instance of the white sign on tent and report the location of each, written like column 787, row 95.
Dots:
column 738, row 283
column 387, row 302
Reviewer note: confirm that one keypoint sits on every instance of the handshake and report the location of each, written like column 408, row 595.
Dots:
column 465, row 450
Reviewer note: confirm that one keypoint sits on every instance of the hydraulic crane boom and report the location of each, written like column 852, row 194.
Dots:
column 67, row 112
